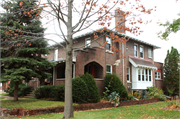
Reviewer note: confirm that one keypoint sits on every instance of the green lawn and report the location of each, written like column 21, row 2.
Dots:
column 30, row 103
column 137, row 111
column 2, row 97
column 4, row 94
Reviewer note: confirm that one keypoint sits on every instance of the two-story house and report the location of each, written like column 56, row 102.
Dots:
column 136, row 71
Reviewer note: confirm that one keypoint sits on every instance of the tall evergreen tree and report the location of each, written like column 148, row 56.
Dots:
column 22, row 43
column 171, row 79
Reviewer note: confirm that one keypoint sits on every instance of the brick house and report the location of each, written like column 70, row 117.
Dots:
column 136, row 71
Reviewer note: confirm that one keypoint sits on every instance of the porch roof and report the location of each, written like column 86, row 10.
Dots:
column 141, row 63
column 62, row 60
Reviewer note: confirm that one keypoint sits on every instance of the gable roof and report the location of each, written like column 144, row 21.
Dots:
column 117, row 33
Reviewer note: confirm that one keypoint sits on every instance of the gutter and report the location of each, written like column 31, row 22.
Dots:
column 123, row 61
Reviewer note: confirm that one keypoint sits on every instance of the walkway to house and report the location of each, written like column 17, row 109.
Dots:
column 10, row 97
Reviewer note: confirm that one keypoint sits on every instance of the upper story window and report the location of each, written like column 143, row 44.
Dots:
column 108, row 45
column 56, row 54
column 128, row 74
column 108, row 68
column 158, row 75
column 87, row 42
column 149, row 53
column 141, row 52
column 75, row 53
column 135, row 50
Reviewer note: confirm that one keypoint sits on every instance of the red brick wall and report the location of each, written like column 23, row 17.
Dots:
column 159, row 82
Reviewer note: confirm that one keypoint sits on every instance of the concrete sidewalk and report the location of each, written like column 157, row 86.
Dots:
column 7, row 97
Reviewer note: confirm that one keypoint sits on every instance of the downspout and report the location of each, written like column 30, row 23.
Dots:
column 53, row 75
column 123, row 61
column 153, row 70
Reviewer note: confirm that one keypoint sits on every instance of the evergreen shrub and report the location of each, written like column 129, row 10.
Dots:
column 116, row 85
column 79, row 90
column 56, row 92
column 93, row 92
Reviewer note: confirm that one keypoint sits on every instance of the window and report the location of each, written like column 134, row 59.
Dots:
column 139, row 74
column 56, row 54
column 141, row 52
column 61, row 71
column 109, row 68
column 142, row 74
column 146, row 74
column 158, row 75
column 75, row 53
column 108, row 45
column 87, row 42
column 135, row 50
column 128, row 74
column 149, row 53
column 149, row 75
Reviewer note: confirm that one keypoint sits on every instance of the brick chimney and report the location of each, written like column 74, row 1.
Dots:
column 119, row 21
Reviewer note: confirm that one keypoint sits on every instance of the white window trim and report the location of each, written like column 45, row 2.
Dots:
column 149, row 54
column 89, row 44
column 136, row 48
column 147, row 74
column 140, row 51
column 110, row 50
column 158, row 75
column 150, row 75
column 129, row 74
column 56, row 54
column 142, row 74
column 110, row 68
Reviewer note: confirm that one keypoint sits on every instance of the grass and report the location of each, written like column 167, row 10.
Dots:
column 30, row 104
column 137, row 111
column 4, row 94
column 2, row 97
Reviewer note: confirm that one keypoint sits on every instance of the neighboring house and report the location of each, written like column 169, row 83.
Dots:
column 136, row 71
column 159, row 75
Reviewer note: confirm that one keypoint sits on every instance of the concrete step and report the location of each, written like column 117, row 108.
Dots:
column 30, row 95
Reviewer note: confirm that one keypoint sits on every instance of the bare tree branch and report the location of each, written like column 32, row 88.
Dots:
column 94, row 20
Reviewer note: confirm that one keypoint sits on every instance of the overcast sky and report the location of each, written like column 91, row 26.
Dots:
column 165, row 10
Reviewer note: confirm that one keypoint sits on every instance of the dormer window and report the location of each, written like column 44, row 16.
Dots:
column 56, row 54
column 87, row 42
column 108, row 45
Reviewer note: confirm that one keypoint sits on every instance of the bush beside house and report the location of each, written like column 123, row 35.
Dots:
column 79, row 90
column 93, row 92
column 84, row 89
column 115, row 85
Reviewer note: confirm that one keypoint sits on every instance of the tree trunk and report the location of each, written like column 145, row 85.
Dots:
column 68, row 108
column 16, row 91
